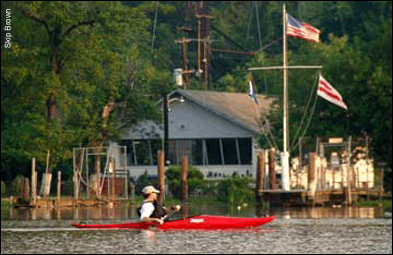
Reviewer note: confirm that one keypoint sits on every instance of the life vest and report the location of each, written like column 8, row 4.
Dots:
column 159, row 211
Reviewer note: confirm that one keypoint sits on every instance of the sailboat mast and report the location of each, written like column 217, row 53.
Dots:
column 285, row 156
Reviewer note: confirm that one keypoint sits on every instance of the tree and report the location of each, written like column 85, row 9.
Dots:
column 77, row 85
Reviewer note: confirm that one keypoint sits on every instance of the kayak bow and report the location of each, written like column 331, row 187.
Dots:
column 201, row 222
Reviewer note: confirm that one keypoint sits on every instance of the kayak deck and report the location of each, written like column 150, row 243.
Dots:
column 202, row 222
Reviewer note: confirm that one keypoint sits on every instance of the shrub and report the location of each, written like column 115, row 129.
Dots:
column 145, row 180
column 236, row 190
column 195, row 180
column 3, row 189
column 17, row 185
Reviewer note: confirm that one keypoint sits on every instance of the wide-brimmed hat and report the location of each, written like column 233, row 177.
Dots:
column 149, row 189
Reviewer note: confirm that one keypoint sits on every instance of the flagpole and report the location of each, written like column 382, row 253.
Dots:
column 285, row 156
column 285, row 67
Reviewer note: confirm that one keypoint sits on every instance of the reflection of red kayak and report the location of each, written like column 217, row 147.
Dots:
column 202, row 222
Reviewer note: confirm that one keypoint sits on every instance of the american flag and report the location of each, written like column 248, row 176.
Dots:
column 326, row 91
column 305, row 31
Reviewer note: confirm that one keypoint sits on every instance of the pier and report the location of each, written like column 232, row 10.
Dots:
column 295, row 198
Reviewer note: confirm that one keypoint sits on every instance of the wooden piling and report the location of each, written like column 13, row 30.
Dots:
column 58, row 187
column 161, row 176
column 185, row 211
column 33, row 184
column 113, row 186
column 311, row 175
column 260, row 176
column 272, row 169
column 381, row 172
column 184, row 180
column 76, row 186
column 26, row 188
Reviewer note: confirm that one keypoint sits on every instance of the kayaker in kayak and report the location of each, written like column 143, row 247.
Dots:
column 150, row 210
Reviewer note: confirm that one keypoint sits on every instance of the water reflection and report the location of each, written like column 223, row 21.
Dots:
column 329, row 212
column 129, row 213
column 77, row 213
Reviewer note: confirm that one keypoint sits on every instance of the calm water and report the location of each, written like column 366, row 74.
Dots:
column 313, row 230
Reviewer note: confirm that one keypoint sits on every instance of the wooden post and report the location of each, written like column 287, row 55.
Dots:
column 368, row 184
column 349, row 195
column 184, row 180
column 311, row 175
column 260, row 176
column 33, row 184
column 26, row 188
column 113, row 187
column 126, row 173
column 47, row 179
column 161, row 176
column 58, row 187
column 184, row 187
column 76, row 186
column 381, row 183
column 272, row 169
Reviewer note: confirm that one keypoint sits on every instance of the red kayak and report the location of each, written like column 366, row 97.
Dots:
column 202, row 222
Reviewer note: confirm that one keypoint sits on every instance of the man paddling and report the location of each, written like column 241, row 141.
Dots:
column 150, row 211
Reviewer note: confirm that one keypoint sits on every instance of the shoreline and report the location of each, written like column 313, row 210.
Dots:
column 385, row 202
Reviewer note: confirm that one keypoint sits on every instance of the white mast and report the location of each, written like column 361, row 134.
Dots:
column 285, row 154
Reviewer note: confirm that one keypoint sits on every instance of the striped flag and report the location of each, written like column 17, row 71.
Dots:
column 326, row 91
column 305, row 31
column 251, row 93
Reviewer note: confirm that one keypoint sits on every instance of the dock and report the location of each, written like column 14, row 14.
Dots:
column 303, row 197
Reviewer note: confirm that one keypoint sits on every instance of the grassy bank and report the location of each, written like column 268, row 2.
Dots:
column 386, row 202
column 207, row 200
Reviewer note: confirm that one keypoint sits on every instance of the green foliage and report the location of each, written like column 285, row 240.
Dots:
column 68, row 187
column 145, row 180
column 17, row 185
column 92, row 57
column 3, row 189
column 236, row 190
column 386, row 203
column 173, row 176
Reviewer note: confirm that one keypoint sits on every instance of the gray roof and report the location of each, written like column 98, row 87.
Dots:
column 238, row 108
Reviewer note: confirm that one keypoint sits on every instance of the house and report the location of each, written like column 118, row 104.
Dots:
column 218, row 132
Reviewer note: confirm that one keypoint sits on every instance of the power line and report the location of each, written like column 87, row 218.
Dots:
column 259, row 28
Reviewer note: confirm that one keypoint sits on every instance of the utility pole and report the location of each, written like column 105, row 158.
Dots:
column 203, row 36
column 186, row 75
column 201, row 10
column 166, row 129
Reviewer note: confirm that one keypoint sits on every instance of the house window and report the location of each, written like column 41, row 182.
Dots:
column 141, row 152
column 230, row 151
column 213, row 151
column 245, row 149
column 130, row 151
column 197, row 152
